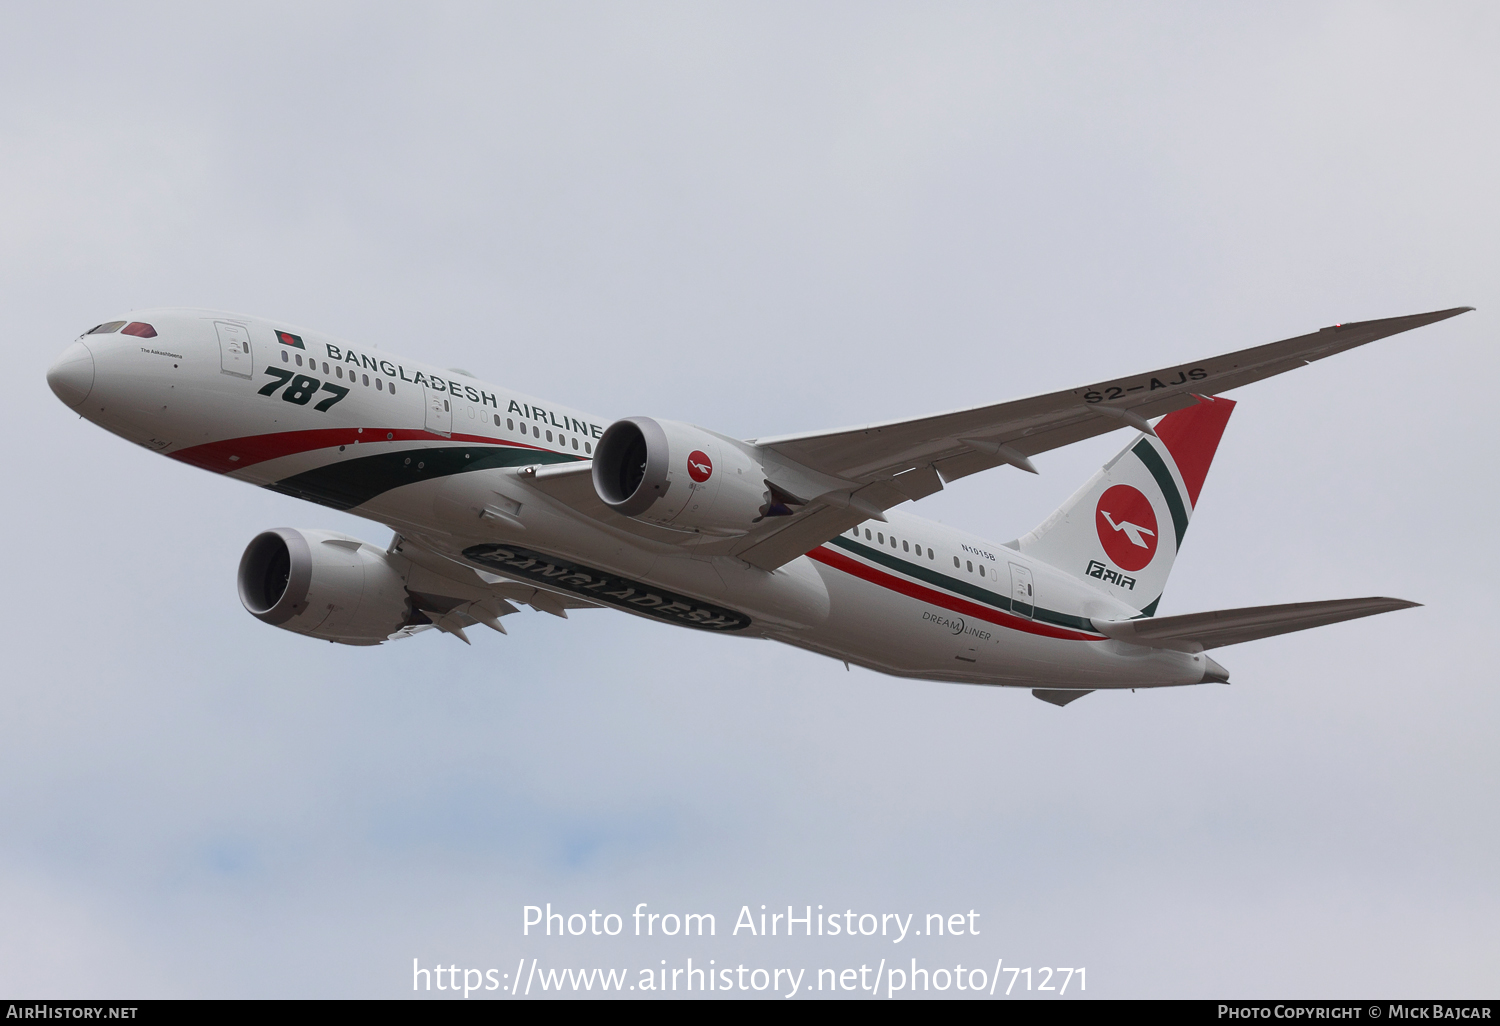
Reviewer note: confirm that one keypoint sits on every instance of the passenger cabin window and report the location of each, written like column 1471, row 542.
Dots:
column 971, row 565
column 955, row 562
column 378, row 386
column 905, row 547
column 365, row 376
column 285, row 357
column 867, row 534
column 587, row 447
column 930, row 555
column 981, row 569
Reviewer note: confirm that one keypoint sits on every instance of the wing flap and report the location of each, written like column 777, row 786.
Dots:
column 1199, row 631
column 801, row 535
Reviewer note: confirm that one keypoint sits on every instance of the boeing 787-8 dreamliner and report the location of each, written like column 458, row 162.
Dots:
column 499, row 499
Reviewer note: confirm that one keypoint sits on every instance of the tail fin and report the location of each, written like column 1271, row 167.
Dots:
column 1121, row 531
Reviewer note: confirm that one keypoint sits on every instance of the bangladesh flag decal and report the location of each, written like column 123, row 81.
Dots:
column 286, row 338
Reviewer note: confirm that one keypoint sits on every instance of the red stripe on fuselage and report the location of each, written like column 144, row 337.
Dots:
column 865, row 572
column 238, row 453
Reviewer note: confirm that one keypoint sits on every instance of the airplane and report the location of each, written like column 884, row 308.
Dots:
column 498, row 499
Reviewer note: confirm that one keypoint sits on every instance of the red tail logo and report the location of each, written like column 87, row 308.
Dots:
column 1127, row 527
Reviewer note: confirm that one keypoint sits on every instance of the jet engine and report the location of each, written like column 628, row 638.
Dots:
column 681, row 476
column 323, row 584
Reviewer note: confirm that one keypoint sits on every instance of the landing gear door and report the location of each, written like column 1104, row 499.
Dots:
column 1022, row 592
column 234, row 349
column 439, row 413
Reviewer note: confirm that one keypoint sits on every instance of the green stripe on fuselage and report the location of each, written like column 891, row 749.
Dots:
column 954, row 584
column 1154, row 463
column 354, row 482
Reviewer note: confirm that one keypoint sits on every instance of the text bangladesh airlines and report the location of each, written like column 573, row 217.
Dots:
column 498, row 499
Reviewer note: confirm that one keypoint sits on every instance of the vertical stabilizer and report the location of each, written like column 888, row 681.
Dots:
column 1121, row 531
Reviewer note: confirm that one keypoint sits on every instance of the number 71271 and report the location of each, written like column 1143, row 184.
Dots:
column 1045, row 978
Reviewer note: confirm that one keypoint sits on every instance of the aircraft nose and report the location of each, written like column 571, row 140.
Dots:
column 72, row 376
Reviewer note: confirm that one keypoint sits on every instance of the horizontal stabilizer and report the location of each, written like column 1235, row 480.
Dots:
column 1057, row 697
column 1198, row 631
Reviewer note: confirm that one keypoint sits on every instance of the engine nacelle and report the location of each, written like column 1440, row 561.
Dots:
column 680, row 476
column 323, row 584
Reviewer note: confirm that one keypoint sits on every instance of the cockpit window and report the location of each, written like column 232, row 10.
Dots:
column 106, row 328
column 140, row 329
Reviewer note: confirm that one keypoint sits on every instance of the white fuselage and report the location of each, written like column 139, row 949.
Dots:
column 436, row 455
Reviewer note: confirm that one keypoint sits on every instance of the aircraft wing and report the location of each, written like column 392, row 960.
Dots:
column 849, row 475
column 967, row 441
column 888, row 463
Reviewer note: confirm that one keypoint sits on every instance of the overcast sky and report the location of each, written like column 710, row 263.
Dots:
column 761, row 218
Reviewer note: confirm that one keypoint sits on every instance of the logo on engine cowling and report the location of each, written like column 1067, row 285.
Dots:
column 700, row 467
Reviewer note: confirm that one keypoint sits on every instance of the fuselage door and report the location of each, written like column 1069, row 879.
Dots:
column 1022, row 592
column 234, row 349
column 439, row 412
